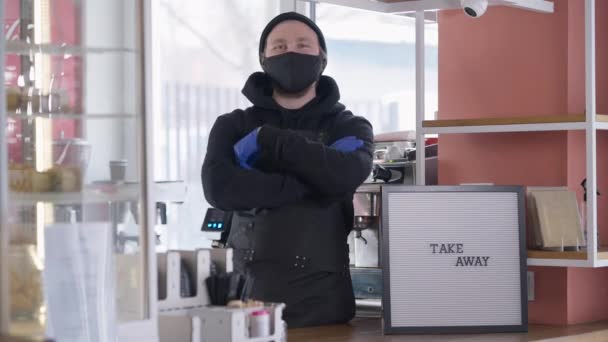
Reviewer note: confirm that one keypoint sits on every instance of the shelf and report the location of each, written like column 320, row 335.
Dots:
column 91, row 194
column 567, row 255
column 565, row 259
column 558, row 262
column 602, row 122
column 169, row 192
column 523, row 120
column 601, row 118
column 409, row 6
column 512, row 124
column 33, row 329
column 22, row 48
column 77, row 116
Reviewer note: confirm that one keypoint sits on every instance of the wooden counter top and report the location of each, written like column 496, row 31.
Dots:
column 370, row 330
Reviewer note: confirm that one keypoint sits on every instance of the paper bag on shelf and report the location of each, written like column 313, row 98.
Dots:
column 534, row 235
column 555, row 219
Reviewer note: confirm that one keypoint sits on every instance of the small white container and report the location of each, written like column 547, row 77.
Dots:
column 118, row 169
column 259, row 323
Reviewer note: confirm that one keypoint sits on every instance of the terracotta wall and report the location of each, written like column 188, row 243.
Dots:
column 587, row 289
column 515, row 63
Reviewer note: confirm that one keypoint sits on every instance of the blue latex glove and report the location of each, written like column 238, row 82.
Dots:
column 347, row 144
column 246, row 149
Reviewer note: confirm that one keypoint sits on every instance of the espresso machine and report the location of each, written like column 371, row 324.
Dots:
column 394, row 164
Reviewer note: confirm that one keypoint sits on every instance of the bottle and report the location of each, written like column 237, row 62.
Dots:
column 583, row 212
column 160, row 230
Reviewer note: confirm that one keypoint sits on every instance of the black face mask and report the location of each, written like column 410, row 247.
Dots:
column 293, row 72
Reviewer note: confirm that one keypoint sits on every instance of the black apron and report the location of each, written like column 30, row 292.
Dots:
column 297, row 255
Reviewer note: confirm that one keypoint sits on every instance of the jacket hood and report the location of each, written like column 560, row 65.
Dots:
column 258, row 89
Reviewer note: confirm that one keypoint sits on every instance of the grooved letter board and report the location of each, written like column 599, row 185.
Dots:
column 454, row 259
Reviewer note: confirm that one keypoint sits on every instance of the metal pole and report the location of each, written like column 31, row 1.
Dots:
column 420, row 147
column 4, row 291
column 591, row 131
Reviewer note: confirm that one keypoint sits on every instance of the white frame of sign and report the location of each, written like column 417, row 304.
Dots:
column 512, row 259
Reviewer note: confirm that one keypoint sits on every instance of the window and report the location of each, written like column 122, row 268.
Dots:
column 372, row 56
column 208, row 49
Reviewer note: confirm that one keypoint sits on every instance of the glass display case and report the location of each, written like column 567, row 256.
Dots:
column 76, row 254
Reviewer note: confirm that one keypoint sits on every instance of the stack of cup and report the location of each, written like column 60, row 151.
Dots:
column 118, row 170
column 259, row 324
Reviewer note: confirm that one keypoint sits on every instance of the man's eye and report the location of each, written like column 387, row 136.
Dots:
column 303, row 46
column 279, row 47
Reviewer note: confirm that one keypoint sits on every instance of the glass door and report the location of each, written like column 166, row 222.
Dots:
column 76, row 215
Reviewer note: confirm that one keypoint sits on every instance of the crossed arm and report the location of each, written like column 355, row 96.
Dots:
column 329, row 171
column 304, row 167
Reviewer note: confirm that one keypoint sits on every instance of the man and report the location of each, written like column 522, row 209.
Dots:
column 288, row 168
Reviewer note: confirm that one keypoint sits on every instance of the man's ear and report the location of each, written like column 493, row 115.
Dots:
column 262, row 60
column 323, row 60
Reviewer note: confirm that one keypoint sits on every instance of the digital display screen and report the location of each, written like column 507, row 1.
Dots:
column 215, row 220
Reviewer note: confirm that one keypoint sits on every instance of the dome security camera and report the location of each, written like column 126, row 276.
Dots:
column 474, row 8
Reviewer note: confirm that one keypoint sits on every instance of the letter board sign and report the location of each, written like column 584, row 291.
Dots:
column 454, row 259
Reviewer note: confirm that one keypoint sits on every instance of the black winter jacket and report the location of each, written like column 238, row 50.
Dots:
column 294, row 210
column 295, row 160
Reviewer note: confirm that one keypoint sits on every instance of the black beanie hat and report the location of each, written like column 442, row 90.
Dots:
column 291, row 16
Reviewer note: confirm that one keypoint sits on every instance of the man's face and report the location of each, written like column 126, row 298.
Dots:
column 292, row 36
